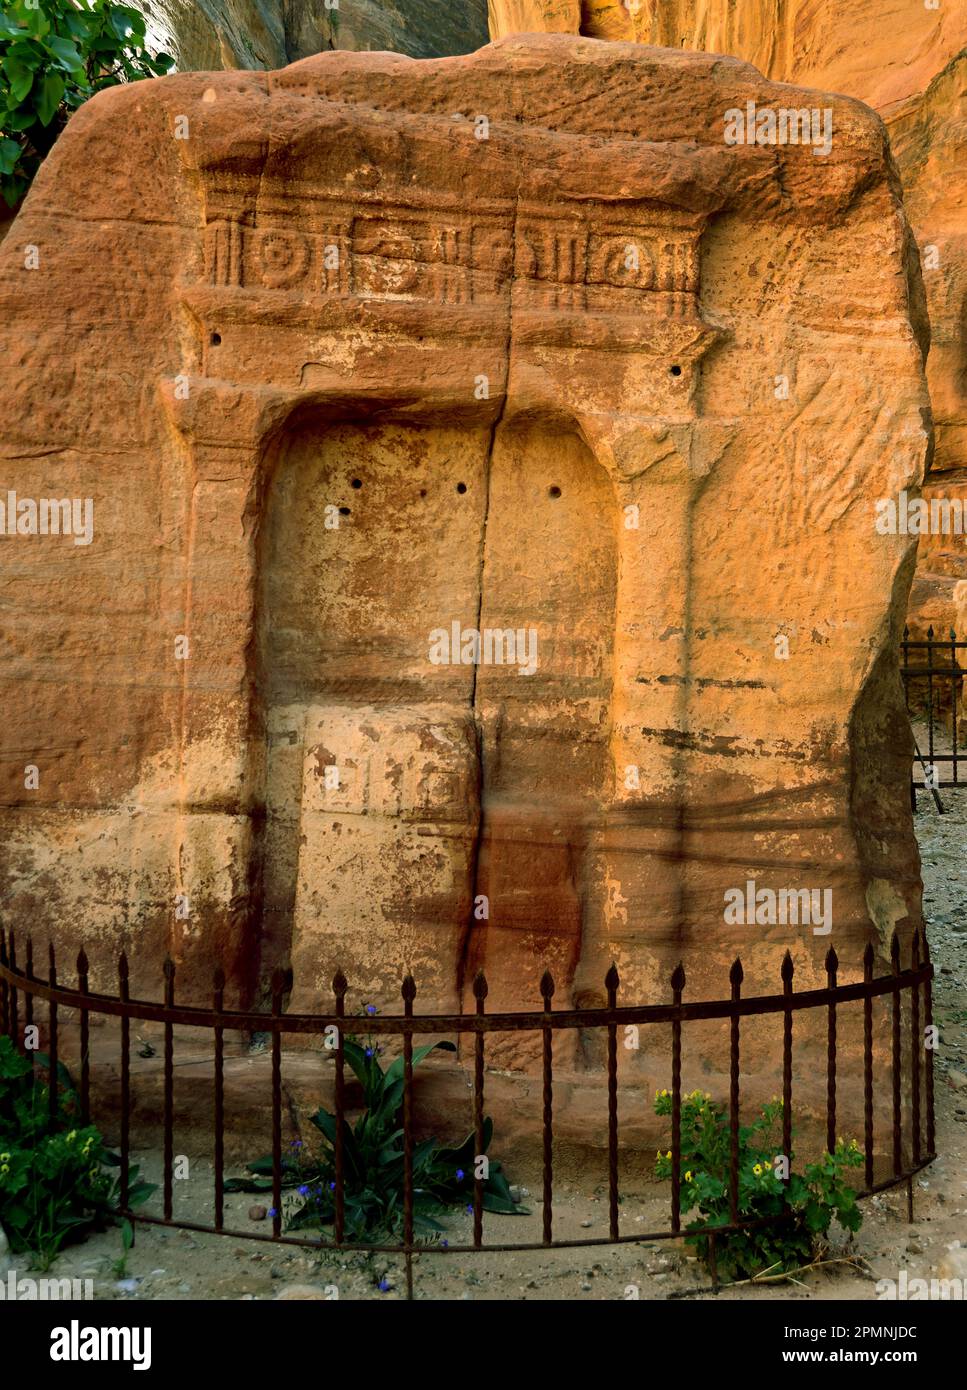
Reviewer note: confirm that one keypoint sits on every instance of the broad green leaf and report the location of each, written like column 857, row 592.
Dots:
column 49, row 98
column 396, row 1068
column 122, row 22
column 64, row 53
column 502, row 1206
column 21, row 78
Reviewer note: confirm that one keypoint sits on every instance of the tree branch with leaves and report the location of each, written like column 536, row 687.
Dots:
column 54, row 55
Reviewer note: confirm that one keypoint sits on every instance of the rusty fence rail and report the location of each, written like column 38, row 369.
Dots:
column 932, row 677
column 909, row 1141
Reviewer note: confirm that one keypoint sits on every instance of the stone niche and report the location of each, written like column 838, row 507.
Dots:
column 358, row 351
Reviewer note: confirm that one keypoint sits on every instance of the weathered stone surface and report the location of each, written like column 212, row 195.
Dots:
column 881, row 50
column 908, row 61
column 532, row 378
column 207, row 35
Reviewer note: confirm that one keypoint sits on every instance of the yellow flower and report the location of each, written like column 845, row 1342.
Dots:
column 72, row 1136
column 4, row 1158
column 93, row 1174
column 688, row 1176
column 669, row 1154
column 757, row 1169
column 4, row 1167
column 768, row 1163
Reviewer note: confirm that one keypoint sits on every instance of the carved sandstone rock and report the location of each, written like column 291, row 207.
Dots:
column 907, row 61
column 350, row 378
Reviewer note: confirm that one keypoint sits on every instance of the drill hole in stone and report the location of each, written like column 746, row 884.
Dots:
column 344, row 511
column 676, row 370
column 216, row 338
column 357, row 483
column 461, row 487
column 554, row 490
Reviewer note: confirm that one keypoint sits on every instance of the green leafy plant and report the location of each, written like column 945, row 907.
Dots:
column 373, row 1163
column 55, row 1178
column 54, row 56
column 801, row 1209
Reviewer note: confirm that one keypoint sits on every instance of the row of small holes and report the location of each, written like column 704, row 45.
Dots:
column 461, row 487
column 553, row 491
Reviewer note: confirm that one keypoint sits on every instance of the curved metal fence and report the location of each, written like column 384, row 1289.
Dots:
column 900, row 1028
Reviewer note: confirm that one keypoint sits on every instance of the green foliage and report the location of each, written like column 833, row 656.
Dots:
column 802, row 1208
column 373, row 1162
column 54, row 54
column 54, row 1180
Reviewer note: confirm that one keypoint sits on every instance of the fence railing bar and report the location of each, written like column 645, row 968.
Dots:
column 868, row 955
column 677, row 984
column 52, row 1095
column 278, row 986
column 29, row 975
column 408, row 991
column 307, row 1242
column 831, row 967
column 123, row 988
column 953, row 699
column 928, row 1058
column 169, row 1091
column 4, row 987
column 735, row 980
column 339, row 987
column 218, row 1001
column 786, row 971
column 82, row 982
column 547, row 1118
column 916, row 1053
column 480, row 996
column 611, row 982
column 13, row 1004
column 930, row 703
column 197, row 1017
column 897, row 1097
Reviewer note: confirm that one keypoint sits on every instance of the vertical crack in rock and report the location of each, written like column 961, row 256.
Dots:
column 465, row 943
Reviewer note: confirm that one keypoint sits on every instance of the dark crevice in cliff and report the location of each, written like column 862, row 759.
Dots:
column 466, row 942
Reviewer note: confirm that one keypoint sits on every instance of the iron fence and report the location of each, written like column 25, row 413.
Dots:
column 908, row 1146
column 933, row 690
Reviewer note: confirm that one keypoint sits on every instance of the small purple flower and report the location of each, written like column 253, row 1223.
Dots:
column 273, row 1211
column 304, row 1190
column 369, row 1052
column 460, row 1175
column 470, row 1208
column 384, row 1285
column 332, row 1187
column 371, row 1009
column 444, row 1245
